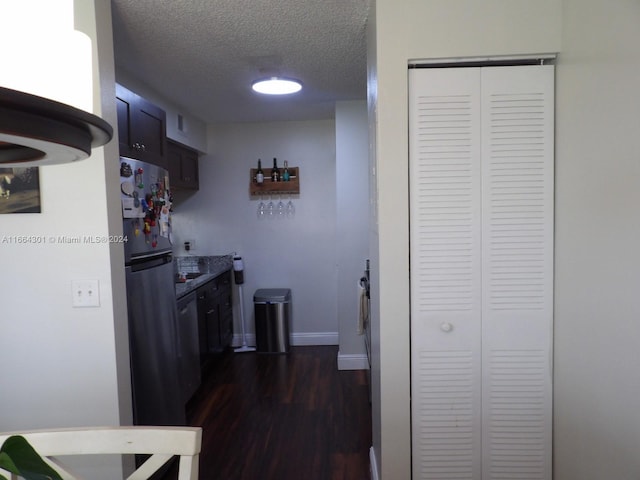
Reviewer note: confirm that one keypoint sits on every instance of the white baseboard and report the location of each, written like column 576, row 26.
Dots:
column 373, row 465
column 314, row 338
column 296, row 339
column 353, row 361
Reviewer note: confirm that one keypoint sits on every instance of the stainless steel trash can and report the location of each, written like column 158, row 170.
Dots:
column 272, row 316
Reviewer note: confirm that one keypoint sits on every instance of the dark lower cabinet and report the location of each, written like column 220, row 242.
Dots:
column 215, row 315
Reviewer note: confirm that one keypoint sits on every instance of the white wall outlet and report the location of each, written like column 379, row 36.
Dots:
column 86, row 293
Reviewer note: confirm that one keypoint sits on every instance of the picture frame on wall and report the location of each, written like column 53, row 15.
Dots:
column 20, row 190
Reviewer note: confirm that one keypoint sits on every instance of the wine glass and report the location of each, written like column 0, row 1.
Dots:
column 261, row 210
column 270, row 209
column 290, row 209
column 281, row 209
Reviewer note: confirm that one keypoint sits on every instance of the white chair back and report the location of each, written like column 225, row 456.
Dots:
column 162, row 443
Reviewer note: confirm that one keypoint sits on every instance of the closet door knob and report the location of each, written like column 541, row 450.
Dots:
column 446, row 327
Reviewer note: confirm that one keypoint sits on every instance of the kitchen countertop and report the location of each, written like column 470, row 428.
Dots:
column 207, row 268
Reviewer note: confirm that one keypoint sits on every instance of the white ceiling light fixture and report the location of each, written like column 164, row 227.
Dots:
column 46, row 87
column 277, row 86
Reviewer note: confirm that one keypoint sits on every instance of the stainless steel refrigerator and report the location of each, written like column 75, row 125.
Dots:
column 153, row 336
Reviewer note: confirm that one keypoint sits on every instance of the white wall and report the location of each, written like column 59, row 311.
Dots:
column 298, row 253
column 405, row 30
column 352, row 225
column 61, row 365
column 99, row 18
column 597, row 332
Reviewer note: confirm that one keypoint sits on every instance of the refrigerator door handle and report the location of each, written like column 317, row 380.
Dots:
column 147, row 256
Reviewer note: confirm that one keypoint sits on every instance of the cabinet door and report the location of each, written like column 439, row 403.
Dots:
column 216, row 314
column 149, row 123
column 213, row 327
column 183, row 166
column 189, row 170
column 203, row 309
column 226, row 310
column 226, row 327
column 481, row 166
column 141, row 128
column 209, row 318
column 125, row 104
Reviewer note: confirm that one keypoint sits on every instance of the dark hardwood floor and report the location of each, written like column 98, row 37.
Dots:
column 285, row 417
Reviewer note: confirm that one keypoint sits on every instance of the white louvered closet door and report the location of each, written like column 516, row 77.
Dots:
column 481, row 167
column 445, row 273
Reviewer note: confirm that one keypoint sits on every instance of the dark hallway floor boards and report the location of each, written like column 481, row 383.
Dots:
column 285, row 417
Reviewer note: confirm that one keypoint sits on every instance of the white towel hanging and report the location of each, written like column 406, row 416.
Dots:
column 363, row 308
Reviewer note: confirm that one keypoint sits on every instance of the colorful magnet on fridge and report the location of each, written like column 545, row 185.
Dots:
column 164, row 214
column 127, row 188
column 125, row 170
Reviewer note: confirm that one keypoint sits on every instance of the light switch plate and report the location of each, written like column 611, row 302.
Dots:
column 86, row 293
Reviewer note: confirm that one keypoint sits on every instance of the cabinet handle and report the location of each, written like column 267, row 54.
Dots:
column 211, row 311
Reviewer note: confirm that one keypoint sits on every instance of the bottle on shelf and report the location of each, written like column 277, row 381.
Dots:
column 285, row 173
column 259, row 173
column 275, row 172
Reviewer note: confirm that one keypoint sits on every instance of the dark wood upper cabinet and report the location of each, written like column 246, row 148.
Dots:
column 183, row 166
column 142, row 128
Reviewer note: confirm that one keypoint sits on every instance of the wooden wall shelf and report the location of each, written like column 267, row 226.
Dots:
column 292, row 187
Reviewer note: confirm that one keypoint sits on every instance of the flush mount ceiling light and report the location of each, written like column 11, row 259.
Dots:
column 277, row 86
column 36, row 131
column 46, row 87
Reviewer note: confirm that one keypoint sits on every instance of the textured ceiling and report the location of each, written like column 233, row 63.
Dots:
column 204, row 54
